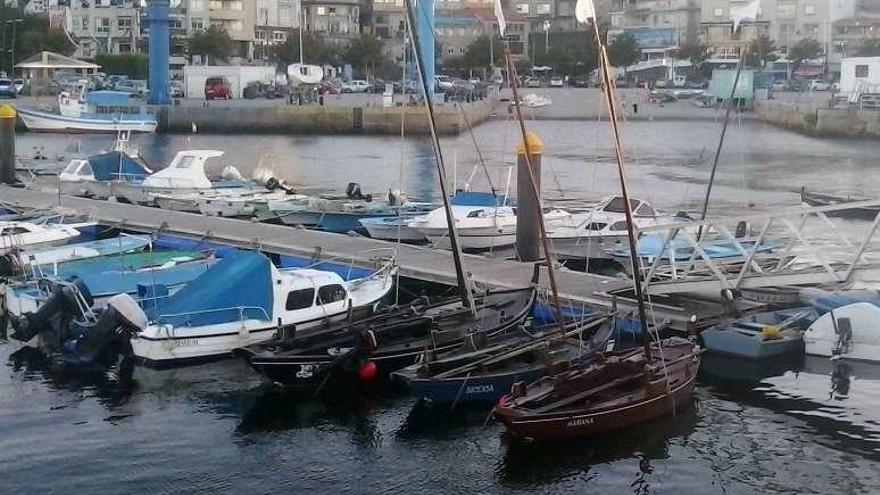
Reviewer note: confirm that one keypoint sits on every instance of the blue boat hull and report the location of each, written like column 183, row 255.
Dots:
column 471, row 390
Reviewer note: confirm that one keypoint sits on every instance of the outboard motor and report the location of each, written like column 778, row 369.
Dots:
column 63, row 301
column 353, row 191
column 396, row 197
column 116, row 324
column 229, row 172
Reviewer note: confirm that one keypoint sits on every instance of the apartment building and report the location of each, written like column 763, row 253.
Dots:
column 388, row 24
column 338, row 21
column 276, row 20
column 457, row 29
column 716, row 30
column 102, row 26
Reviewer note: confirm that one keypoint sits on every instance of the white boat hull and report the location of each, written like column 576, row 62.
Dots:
column 46, row 122
column 821, row 338
column 596, row 247
column 474, row 239
column 392, row 231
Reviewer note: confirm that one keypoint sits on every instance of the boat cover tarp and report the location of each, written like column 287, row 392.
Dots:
column 108, row 98
column 109, row 166
column 477, row 198
column 240, row 281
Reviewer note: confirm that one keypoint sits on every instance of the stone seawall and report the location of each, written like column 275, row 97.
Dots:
column 285, row 119
column 821, row 122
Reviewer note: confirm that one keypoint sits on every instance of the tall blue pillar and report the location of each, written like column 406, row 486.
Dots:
column 425, row 32
column 160, row 53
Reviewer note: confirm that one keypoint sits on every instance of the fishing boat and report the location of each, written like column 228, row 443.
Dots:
column 91, row 111
column 206, row 319
column 480, row 227
column 847, row 332
column 23, row 235
column 40, row 259
column 595, row 233
column 817, row 199
column 760, row 336
column 95, row 176
column 476, row 373
column 177, row 185
column 396, row 339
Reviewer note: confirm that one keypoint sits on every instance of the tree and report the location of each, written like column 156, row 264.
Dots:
column 868, row 48
column 213, row 43
column 695, row 52
column 760, row 51
column 32, row 35
column 805, row 49
column 479, row 54
column 624, row 50
column 133, row 65
column 315, row 50
column 365, row 53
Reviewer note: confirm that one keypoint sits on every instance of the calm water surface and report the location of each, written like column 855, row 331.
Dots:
column 791, row 427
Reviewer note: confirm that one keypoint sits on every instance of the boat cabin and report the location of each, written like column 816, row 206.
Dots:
column 114, row 165
column 19, row 234
column 187, row 170
column 639, row 208
column 96, row 104
column 300, row 289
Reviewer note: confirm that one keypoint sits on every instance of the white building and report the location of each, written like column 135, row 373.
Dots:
column 275, row 21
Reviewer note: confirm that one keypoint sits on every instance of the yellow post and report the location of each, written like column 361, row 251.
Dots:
column 528, row 230
column 7, row 144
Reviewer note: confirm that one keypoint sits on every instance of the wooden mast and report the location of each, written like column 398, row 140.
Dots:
column 427, row 87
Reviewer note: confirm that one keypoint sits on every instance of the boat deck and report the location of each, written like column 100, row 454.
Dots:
column 416, row 262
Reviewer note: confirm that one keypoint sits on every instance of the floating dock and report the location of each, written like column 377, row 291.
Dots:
column 416, row 262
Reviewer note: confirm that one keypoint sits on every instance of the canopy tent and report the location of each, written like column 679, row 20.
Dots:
column 45, row 64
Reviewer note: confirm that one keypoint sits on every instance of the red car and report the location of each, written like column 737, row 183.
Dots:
column 218, row 87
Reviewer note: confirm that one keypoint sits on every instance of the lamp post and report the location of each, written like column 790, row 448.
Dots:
column 12, row 49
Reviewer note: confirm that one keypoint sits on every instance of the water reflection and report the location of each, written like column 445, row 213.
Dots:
column 428, row 420
column 537, row 463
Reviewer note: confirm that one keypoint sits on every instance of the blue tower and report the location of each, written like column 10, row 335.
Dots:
column 160, row 52
column 424, row 14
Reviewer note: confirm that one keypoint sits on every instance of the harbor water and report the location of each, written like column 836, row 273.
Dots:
column 808, row 426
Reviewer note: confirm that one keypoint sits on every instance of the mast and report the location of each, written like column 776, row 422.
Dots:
column 301, row 19
column 466, row 296
column 624, row 192
column 545, row 242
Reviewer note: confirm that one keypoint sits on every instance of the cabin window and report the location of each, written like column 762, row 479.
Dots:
column 15, row 231
column 300, row 299
column 185, row 162
column 86, row 170
column 616, row 205
column 619, row 226
column 476, row 214
column 645, row 211
column 330, row 294
column 862, row 70
column 596, row 226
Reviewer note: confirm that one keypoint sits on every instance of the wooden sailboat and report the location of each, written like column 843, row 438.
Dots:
column 614, row 391
column 386, row 343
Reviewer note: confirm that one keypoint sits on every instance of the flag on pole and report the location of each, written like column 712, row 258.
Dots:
column 499, row 14
column 584, row 11
column 747, row 13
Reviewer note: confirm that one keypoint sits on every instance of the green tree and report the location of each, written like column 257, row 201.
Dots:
column 133, row 65
column 696, row 53
column 760, row 51
column 213, row 43
column 365, row 53
column 315, row 50
column 805, row 49
column 479, row 54
column 868, row 48
column 624, row 50
column 32, row 35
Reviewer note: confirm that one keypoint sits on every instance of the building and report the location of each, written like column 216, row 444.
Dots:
column 338, row 21
column 276, row 20
column 716, row 30
column 457, row 29
column 388, row 24
column 855, row 23
column 105, row 27
column 657, row 24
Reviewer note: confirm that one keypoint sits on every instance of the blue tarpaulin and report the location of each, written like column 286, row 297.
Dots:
column 240, row 281
column 109, row 166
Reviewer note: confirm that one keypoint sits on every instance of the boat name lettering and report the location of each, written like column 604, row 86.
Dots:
column 573, row 423
column 338, row 351
column 185, row 342
column 480, row 389
column 306, row 370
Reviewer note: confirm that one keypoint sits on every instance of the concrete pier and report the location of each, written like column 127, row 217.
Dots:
column 820, row 122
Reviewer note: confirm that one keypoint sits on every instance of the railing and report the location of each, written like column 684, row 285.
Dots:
column 240, row 309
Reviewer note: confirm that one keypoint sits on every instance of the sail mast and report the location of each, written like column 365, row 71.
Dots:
column 627, row 208
column 464, row 291
column 545, row 242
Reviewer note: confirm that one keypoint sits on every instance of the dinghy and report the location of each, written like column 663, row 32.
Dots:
column 34, row 259
column 761, row 335
column 22, row 235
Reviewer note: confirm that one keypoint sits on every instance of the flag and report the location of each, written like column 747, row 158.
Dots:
column 499, row 14
column 747, row 13
column 584, row 11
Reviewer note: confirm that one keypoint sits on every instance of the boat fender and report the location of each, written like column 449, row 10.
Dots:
column 770, row 332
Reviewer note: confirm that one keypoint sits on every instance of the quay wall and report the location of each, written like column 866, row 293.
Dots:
column 284, row 119
column 820, row 122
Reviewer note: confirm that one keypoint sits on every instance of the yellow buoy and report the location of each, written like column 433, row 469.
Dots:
column 770, row 332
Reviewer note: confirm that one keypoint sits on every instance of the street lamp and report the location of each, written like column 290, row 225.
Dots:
column 12, row 50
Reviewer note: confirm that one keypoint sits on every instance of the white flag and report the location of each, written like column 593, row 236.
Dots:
column 584, row 10
column 499, row 14
column 747, row 13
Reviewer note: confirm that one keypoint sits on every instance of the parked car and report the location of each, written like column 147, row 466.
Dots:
column 703, row 101
column 622, row 83
column 698, row 84
column 177, row 90
column 443, row 82
column 780, row 85
column 532, row 82
column 378, row 86
column 660, row 97
column 662, row 83
column 19, row 85
column 356, row 86
column 7, row 88
column 819, row 85
column 557, row 82
column 218, row 87
column 581, row 82
column 134, row 86
column 258, row 89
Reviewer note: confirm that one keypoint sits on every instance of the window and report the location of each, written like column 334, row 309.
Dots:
column 331, row 10
column 522, row 8
column 616, row 205
column 123, row 23
column 809, row 9
column 811, row 30
column 543, row 8
column 322, row 10
column 102, row 25
column 197, row 24
column 300, row 299
column 645, row 211
column 186, row 161
column 596, row 226
column 619, row 226
column 278, row 36
column 718, row 12
column 786, row 10
column 196, row 5
column 861, row 71
column 331, row 294
column 260, row 35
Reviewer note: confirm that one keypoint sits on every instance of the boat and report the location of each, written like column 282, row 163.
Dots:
column 533, row 100
column 44, row 258
column 207, row 318
column 479, row 227
column 817, row 199
column 847, row 332
column 397, row 338
column 245, row 204
column 177, row 185
column 829, row 300
column 482, row 374
column 23, row 235
column 304, row 74
column 761, row 335
column 94, row 176
column 596, row 233
column 91, row 111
